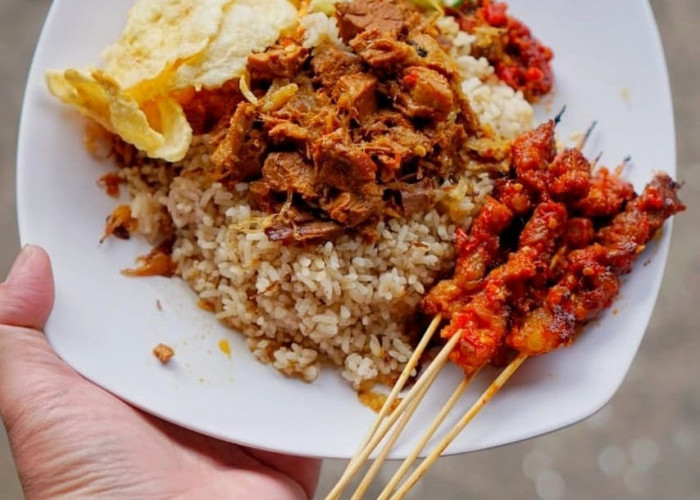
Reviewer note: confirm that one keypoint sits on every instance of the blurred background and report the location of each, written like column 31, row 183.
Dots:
column 645, row 444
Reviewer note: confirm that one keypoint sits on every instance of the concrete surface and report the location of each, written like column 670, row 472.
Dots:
column 644, row 445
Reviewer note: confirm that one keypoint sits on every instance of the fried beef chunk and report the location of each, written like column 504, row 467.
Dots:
column 415, row 197
column 289, row 172
column 347, row 134
column 381, row 51
column 424, row 93
column 356, row 94
column 351, row 209
column 388, row 17
column 240, row 151
column 330, row 63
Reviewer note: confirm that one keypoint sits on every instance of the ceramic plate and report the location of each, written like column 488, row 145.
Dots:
column 609, row 66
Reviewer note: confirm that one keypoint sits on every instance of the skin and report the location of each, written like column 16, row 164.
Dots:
column 71, row 439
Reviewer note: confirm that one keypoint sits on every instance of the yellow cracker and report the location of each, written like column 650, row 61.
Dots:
column 98, row 96
column 159, row 34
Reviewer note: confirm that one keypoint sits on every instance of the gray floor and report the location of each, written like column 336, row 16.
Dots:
column 643, row 445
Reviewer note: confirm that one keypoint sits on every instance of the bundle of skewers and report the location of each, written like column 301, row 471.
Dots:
column 542, row 259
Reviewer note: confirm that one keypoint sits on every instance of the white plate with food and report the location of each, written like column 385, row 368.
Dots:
column 326, row 318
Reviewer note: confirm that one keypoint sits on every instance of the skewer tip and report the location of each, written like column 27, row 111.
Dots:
column 622, row 166
column 582, row 141
column 591, row 127
column 558, row 116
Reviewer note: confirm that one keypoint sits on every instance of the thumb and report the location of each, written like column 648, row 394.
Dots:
column 27, row 363
column 27, row 296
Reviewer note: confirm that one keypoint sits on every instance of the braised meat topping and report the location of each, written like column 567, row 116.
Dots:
column 348, row 134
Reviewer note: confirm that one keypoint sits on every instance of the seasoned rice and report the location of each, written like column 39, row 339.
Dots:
column 344, row 302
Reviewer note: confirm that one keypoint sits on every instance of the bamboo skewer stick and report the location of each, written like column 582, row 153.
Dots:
column 434, row 426
column 379, row 460
column 426, row 379
column 488, row 394
column 595, row 161
column 405, row 374
column 582, row 141
column 398, row 386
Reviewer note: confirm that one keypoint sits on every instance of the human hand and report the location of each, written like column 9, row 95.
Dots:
column 71, row 439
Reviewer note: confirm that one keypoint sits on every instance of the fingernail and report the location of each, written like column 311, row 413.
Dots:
column 21, row 261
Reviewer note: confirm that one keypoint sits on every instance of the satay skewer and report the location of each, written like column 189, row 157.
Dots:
column 416, row 395
column 408, row 462
column 661, row 203
column 444, row 411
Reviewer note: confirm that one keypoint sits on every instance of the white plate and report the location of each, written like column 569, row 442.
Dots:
column 609, row 66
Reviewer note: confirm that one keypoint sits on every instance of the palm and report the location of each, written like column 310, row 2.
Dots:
column 71, row 439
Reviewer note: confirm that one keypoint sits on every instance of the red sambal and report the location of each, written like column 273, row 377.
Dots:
column 520, row 59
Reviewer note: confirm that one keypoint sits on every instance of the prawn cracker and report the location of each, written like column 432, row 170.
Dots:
column 161, row 34
column 158, row 127
column 248, row 26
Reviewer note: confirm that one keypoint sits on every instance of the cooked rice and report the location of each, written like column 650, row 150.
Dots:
column 498, row 105
column 345, row 302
